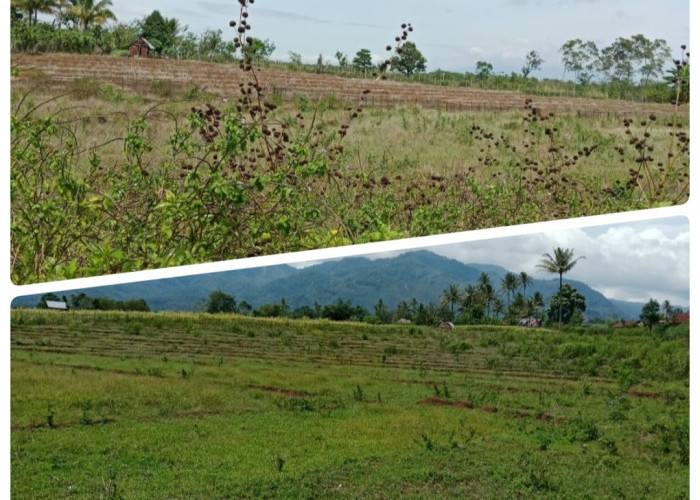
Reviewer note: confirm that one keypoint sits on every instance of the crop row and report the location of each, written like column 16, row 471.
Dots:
column 224, row 80
column 439, row 351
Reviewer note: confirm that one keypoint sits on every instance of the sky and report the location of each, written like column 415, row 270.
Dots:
column 631, row 261
column 452, row 34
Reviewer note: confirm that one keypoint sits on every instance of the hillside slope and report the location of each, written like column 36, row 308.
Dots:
column 421, row 274
column 58, row 70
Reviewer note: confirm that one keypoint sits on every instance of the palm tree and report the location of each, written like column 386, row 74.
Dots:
column 88, row 12
column 560, row 262
column 498, row 307
column 484, row 279
column 509, row 283
column 525, row 280
column 33, row 7
column 450, row 297
column 488, row 296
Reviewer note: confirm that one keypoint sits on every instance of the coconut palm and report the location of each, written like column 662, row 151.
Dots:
column 33, row 7
column 559, row 262
column 525, row 280
column 450, row 297
column 89, row 12
column 509, row 283
column 488, row 297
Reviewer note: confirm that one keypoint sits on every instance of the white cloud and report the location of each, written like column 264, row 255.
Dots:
column 634, row 262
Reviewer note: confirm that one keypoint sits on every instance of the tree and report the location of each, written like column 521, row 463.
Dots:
column 525, row 280
column 295, row 59
column 342, row 60
column 381, row 311
column 220, row 302
column 533, row 62
column 484, row 70
column 488, row 296
column 509, row 284
column 667, row 308
column 429, row 315
column 363, row 61
column 86, row 13
column 33, row 7
column 47, row 296
column 210, row 44
column 560, row 262
column 163, row 33
column 650, row 314
column 404, row 311
column 450, row 297
column 258, row 50
column 651, row 56
column 568, row 302
column 409, row 60
column 498, row 307
column 580, row 58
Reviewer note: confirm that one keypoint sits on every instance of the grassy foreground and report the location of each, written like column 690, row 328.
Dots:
column 116, row 405
column 104, row 181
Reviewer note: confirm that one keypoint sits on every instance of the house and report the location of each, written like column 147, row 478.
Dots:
column 56, row 304
column 680, row 318
column 627, row 323
column 530, row 322
column 141, row 48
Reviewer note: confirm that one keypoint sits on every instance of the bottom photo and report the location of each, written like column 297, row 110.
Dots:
column 539, row 365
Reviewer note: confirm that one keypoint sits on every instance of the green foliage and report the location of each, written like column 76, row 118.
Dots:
column 245, row 180
column 162, row 88
column 258, row 50
column 533, row 62
column 220, row 302
column 650, row 314
column 565, row 304
column 409, row 60
column 296, row 434
column 363, row 61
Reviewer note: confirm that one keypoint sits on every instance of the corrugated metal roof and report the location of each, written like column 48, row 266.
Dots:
column 54, row 304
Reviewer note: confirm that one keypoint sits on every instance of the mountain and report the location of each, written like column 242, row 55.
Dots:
column 422, row 275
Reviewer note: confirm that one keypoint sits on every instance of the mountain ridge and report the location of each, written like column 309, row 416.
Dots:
column 420, row 274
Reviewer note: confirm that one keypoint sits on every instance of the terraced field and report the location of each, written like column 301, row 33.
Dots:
column 111, row 405
column 58, row 70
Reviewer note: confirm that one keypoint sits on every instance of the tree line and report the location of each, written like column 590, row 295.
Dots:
column 82, row 301
column 81, row 26
column 483, row 302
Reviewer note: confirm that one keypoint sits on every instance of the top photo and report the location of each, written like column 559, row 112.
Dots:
column 161, row 134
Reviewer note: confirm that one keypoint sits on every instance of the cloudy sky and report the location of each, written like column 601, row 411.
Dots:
column 631, row 261
column 452, row 34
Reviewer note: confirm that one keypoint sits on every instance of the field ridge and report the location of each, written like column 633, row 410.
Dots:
column 223, row 79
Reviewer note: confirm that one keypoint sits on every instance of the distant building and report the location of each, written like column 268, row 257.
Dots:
column 530, row 322
column 628, row 324
column 141, row 48
column 56, row 304
column 680, row 318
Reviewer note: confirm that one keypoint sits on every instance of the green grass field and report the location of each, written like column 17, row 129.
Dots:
column 116, row 405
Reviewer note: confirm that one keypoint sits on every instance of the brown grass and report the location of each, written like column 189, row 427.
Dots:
column 223, row 79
